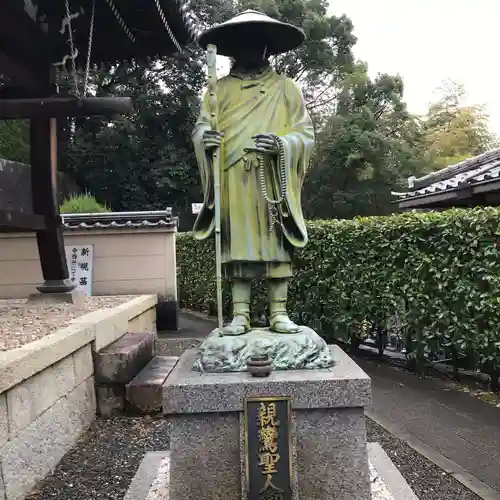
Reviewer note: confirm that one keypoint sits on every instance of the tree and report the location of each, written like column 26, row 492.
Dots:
column 454, row 130
column 322, row 63
column 14, row 140
column 144, row 160
column 149, row 155
column 364, row 150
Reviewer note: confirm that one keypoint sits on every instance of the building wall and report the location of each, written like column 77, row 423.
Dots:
column 126, row 261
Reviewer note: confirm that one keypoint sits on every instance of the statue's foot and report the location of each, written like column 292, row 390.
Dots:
column 281, row 323
column 239, row 326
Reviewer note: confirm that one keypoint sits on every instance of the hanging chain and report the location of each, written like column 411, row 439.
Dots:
column 167, row 27
column 74, row 54
column 74, row 51
column 273, row 204
column 89, row 50
column 121, row 21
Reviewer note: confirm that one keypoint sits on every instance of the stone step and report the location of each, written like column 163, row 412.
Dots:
column 144, row 392
column 116, row 365
column 122, row 360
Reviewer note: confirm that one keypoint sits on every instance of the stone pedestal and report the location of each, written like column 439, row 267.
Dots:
column 76, row 297
column 205, row 413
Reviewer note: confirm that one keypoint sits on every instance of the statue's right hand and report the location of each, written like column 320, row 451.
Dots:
column 212, row 139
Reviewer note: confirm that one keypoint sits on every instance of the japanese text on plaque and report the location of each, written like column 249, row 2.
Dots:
column 268, row 429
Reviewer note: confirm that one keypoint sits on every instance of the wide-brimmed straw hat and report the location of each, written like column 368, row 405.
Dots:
column 252, row 28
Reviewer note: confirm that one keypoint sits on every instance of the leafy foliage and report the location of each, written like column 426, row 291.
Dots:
column 436, row 271
column 14, row 140
column 144, row 160
column 82, row 204
column 364, row 150
column 454, row 130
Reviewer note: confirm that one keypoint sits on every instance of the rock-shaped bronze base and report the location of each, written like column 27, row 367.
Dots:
column 303, row 350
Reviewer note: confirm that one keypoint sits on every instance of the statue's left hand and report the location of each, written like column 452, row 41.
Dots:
column 265, row 143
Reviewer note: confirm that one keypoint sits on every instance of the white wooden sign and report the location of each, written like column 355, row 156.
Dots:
column 79, row 259
column 196, row 207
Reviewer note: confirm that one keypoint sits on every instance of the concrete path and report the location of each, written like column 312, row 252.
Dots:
column 463, row 429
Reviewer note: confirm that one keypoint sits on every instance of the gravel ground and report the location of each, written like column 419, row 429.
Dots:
column 20, row 324
column 105, row 460
column 107, row 457
column 428, row 481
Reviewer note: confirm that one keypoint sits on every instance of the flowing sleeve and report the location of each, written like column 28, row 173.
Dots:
column 298, row 146
column 205, row 222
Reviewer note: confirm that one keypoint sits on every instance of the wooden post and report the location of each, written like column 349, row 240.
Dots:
column 43, row 154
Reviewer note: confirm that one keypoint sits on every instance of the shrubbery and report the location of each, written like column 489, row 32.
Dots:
column 82, row 204
column 439, row 272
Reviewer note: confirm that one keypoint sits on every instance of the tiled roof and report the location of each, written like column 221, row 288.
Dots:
column 116, row 220
column 480, row 169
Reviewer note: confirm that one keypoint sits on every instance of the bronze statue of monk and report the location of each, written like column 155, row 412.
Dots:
column 266, row 139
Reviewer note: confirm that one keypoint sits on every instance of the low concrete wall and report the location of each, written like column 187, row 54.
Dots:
column 47, row 396
column 127, row 261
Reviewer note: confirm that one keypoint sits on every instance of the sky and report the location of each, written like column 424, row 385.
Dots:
column 428, row 42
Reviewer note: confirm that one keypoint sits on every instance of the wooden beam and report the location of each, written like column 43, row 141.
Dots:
column 43, row 140
column 49, row 107
column 21, row 221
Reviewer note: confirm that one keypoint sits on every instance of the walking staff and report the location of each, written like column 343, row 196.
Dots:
column 216, row 162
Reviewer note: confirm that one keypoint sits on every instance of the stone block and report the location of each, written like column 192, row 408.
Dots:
column 110, row 400
column 205, row 456
column 144, row 392
column 2, row 487
column 328, row 413
column 4, row 421
column 65, row 379
column 331, row 454
column 34, row 395
column 19, row 407
column 389, row 474
column 38, row 448
column 122, row 360
column 344, row 385
column 22, row 363
column 76, row 297
column 167, row 314
column 107, row 325
column 83, row 364
column 146, row 475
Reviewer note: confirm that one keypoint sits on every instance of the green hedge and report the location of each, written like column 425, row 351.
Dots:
column 438, row 271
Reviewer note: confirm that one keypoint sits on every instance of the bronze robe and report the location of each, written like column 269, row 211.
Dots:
column 269, row 103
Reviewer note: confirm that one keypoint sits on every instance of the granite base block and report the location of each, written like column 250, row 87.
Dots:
column 152, row 480
column 205, row 411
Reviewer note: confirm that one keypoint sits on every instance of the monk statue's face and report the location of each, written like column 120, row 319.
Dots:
column 250, row 56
